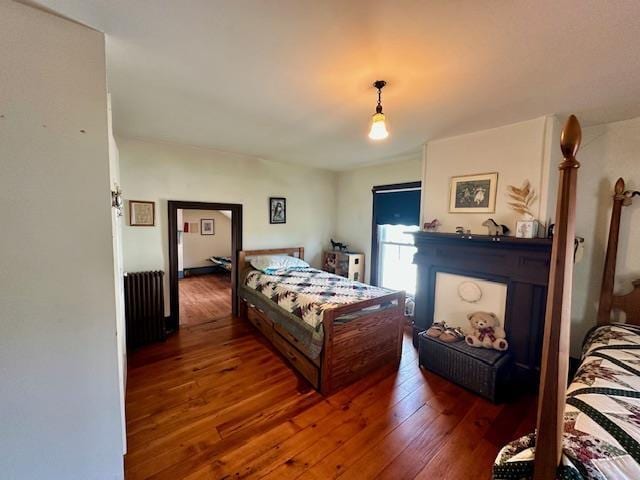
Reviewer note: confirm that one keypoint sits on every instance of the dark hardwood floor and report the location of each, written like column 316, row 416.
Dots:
column 215, row 401
column 204, row 298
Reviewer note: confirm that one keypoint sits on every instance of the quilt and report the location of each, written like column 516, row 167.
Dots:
column 222, row 262
column 602, row 414
column 307, row 292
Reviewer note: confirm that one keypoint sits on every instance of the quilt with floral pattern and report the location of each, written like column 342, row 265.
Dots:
column 308, row 293
column 602, row 414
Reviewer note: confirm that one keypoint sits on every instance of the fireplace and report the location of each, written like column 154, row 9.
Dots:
column 512, row 275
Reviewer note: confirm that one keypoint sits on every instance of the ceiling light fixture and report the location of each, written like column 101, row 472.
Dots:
column 378, row 128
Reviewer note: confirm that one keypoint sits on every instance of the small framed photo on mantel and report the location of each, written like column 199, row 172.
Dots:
column 473, row 193
column 142, row 213
column 277, row 210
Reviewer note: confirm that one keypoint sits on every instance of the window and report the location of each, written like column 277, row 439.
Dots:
column 396, row 211
column 396, row 250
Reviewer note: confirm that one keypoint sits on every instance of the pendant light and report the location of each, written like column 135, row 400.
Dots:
column 378, row 128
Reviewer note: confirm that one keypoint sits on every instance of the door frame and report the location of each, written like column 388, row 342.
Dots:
column 236, row 245
column 373, row 275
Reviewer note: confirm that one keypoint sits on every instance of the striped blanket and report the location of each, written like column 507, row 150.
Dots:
column 602, row 414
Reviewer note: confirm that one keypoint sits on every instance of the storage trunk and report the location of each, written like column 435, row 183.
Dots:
column 483, row 371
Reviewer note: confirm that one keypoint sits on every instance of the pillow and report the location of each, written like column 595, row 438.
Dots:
column 274, row 263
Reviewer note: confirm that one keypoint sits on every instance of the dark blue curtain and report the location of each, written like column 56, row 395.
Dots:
column 397, row 208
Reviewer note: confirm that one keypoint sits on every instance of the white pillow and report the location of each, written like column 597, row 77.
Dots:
column 274, row 263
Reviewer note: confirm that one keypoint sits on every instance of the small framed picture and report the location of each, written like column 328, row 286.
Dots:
column 207, row 226
column 277, row 210
column 527, row 228
column 473, row 193
column 142, row 214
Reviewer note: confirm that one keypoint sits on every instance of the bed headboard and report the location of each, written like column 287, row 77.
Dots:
column 244, row 255
column 629, row 303
column 555, row 351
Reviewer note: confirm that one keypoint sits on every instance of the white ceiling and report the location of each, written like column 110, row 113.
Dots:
column 289, row 80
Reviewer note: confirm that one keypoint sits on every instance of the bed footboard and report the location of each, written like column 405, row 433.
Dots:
column 353, row 349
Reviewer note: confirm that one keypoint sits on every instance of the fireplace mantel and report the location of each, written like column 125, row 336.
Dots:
column 521, row 264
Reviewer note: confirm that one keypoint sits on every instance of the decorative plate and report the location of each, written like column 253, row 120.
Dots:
column 469, row 292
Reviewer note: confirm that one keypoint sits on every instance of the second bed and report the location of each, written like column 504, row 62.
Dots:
column 332, row 330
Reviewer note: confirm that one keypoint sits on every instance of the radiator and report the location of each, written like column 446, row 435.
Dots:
column 144, row 307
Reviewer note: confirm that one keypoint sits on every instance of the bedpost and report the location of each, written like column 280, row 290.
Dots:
column 609, row 274
column 326, row 385
column 555, row 351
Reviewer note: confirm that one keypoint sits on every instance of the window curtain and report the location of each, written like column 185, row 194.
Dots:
column 397, row 207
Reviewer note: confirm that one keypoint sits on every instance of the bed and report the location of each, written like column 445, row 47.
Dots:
column 223, row 263
column 591, row 429
column 332, row 330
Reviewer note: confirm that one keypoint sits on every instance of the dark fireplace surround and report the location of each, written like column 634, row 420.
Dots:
column 521, row 264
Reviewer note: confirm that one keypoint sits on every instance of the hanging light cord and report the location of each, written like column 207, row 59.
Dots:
column 379, row 106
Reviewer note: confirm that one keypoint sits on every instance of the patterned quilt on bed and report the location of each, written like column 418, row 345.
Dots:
column 222, row 262
column 308, row 292
column 602, row 415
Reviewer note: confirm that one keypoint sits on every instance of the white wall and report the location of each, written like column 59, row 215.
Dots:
column 608, row 152
column 59, row 406
column 355, row 201
column 180, row 240
column 163, row 171
column 199, row 248
column 517, row 152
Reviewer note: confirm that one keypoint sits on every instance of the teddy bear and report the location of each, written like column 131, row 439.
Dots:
column 485, row 331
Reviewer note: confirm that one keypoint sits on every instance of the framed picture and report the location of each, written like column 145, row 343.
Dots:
column 142, row 214
column 277, row 210
column 207, row 226
column 473, row 193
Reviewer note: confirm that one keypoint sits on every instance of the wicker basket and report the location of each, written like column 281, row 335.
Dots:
column 483, row 371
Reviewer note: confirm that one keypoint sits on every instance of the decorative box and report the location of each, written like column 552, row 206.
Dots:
column 527, row 228
column 483, row 371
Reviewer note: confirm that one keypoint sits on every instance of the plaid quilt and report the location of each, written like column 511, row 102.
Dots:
column 602, row 414
column 308, row 293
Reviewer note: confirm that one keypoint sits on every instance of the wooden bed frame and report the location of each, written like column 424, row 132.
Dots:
column 350, row 350
column 555, row 352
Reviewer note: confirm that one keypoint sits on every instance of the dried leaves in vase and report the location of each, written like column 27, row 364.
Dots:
column 522, row 198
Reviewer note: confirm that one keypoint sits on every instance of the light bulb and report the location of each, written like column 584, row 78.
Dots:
column 378, row 128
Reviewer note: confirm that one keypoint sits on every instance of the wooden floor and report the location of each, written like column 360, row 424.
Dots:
column 204, row 298
column 215, row 401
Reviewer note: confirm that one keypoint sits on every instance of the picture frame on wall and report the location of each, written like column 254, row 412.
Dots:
column 207, row 226
column 142, row 213
column 473, row 193
column 277, row 210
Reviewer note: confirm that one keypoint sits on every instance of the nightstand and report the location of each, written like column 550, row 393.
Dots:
column 345, row 264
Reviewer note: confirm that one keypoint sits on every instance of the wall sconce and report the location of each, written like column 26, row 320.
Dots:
column 116, row 200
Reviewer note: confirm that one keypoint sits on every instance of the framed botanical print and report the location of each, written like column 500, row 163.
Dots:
column 142, row 213
column 473, row 193
column 207, row 226
column 277, row 210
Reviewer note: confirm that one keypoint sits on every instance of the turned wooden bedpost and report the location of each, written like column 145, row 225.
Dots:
column 609, row 274
column 555, row 351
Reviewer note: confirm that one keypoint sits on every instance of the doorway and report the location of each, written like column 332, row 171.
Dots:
column 204, row 241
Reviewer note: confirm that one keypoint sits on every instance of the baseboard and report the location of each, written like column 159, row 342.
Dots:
column 180, row 274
